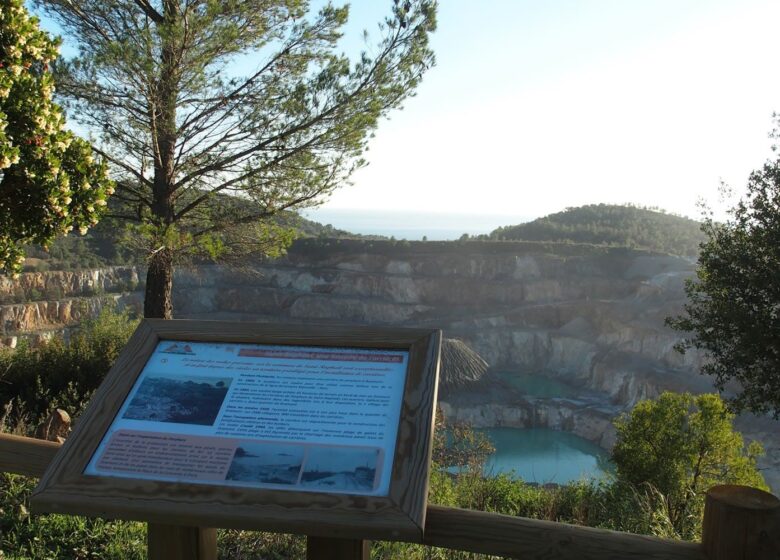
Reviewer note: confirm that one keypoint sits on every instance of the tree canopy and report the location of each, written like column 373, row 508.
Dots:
column 681, row 445
column 195, row 100
column 733, row 308
column 49, row 182
column 608, row 224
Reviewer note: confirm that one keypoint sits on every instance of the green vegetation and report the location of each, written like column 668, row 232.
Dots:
column 49, row 183
column 180, row 133
column 108, row 244
column 669, row 451
column 323, row 248
column 733, row 309
column 69, row 252
column 681, row 445
column 313, row 240
column 604, row 224
column 58, row 373
column 35, row 537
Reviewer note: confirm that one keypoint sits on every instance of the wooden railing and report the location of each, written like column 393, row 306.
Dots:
column 739, row 523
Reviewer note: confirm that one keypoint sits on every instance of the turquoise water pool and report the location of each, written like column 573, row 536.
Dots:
column 542, row 455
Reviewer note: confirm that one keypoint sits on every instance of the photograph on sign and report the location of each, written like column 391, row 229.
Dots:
column 310, row 419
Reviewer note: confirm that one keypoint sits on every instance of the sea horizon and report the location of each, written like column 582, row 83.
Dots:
column 413, row 225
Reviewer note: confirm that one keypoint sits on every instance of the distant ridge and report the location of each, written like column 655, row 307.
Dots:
column 613, row 225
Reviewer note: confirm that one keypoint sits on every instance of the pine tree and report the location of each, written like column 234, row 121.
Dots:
column 206, row 155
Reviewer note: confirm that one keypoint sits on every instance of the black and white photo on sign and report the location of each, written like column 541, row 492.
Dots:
column 179, row 399
column 267, row 463
column 341, row 468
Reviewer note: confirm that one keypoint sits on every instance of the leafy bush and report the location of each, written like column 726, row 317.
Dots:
column 678, row 446
column 59, row 373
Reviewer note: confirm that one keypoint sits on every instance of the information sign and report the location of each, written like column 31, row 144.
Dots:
column 306, row 417
column 258, row 427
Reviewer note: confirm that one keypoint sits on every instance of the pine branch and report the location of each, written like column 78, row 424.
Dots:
column 150, row 12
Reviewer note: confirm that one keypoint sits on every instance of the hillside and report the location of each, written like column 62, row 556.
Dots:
column 599, row 225
column 103, row 245
column 604, row 224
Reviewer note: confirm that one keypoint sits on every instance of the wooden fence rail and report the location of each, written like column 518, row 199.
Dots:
column 757, row 514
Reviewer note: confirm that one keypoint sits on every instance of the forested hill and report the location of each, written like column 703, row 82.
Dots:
column 104, row 245
column 605, row 224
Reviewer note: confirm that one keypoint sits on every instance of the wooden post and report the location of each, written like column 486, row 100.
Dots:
column 320, row 548
column 172, row 542
column 741, row 523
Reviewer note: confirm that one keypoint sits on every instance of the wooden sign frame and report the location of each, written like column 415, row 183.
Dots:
column 398, row 516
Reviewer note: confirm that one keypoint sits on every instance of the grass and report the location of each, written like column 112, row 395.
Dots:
column 24, row 536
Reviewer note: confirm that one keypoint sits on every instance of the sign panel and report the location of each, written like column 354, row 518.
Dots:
column 283, row 417
column 318, row 429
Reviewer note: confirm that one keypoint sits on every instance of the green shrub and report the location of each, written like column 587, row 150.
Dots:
column 673, row 449
column 62, row 374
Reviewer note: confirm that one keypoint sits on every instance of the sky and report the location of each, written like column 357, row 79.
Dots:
column 539, row 105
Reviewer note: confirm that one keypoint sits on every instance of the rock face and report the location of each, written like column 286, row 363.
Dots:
column 592, row 318
column 56, row 285
column 38, row 304
column 587, row 421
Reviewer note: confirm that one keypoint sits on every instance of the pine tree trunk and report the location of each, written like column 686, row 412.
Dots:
column 159, row 276
column 158, row 303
